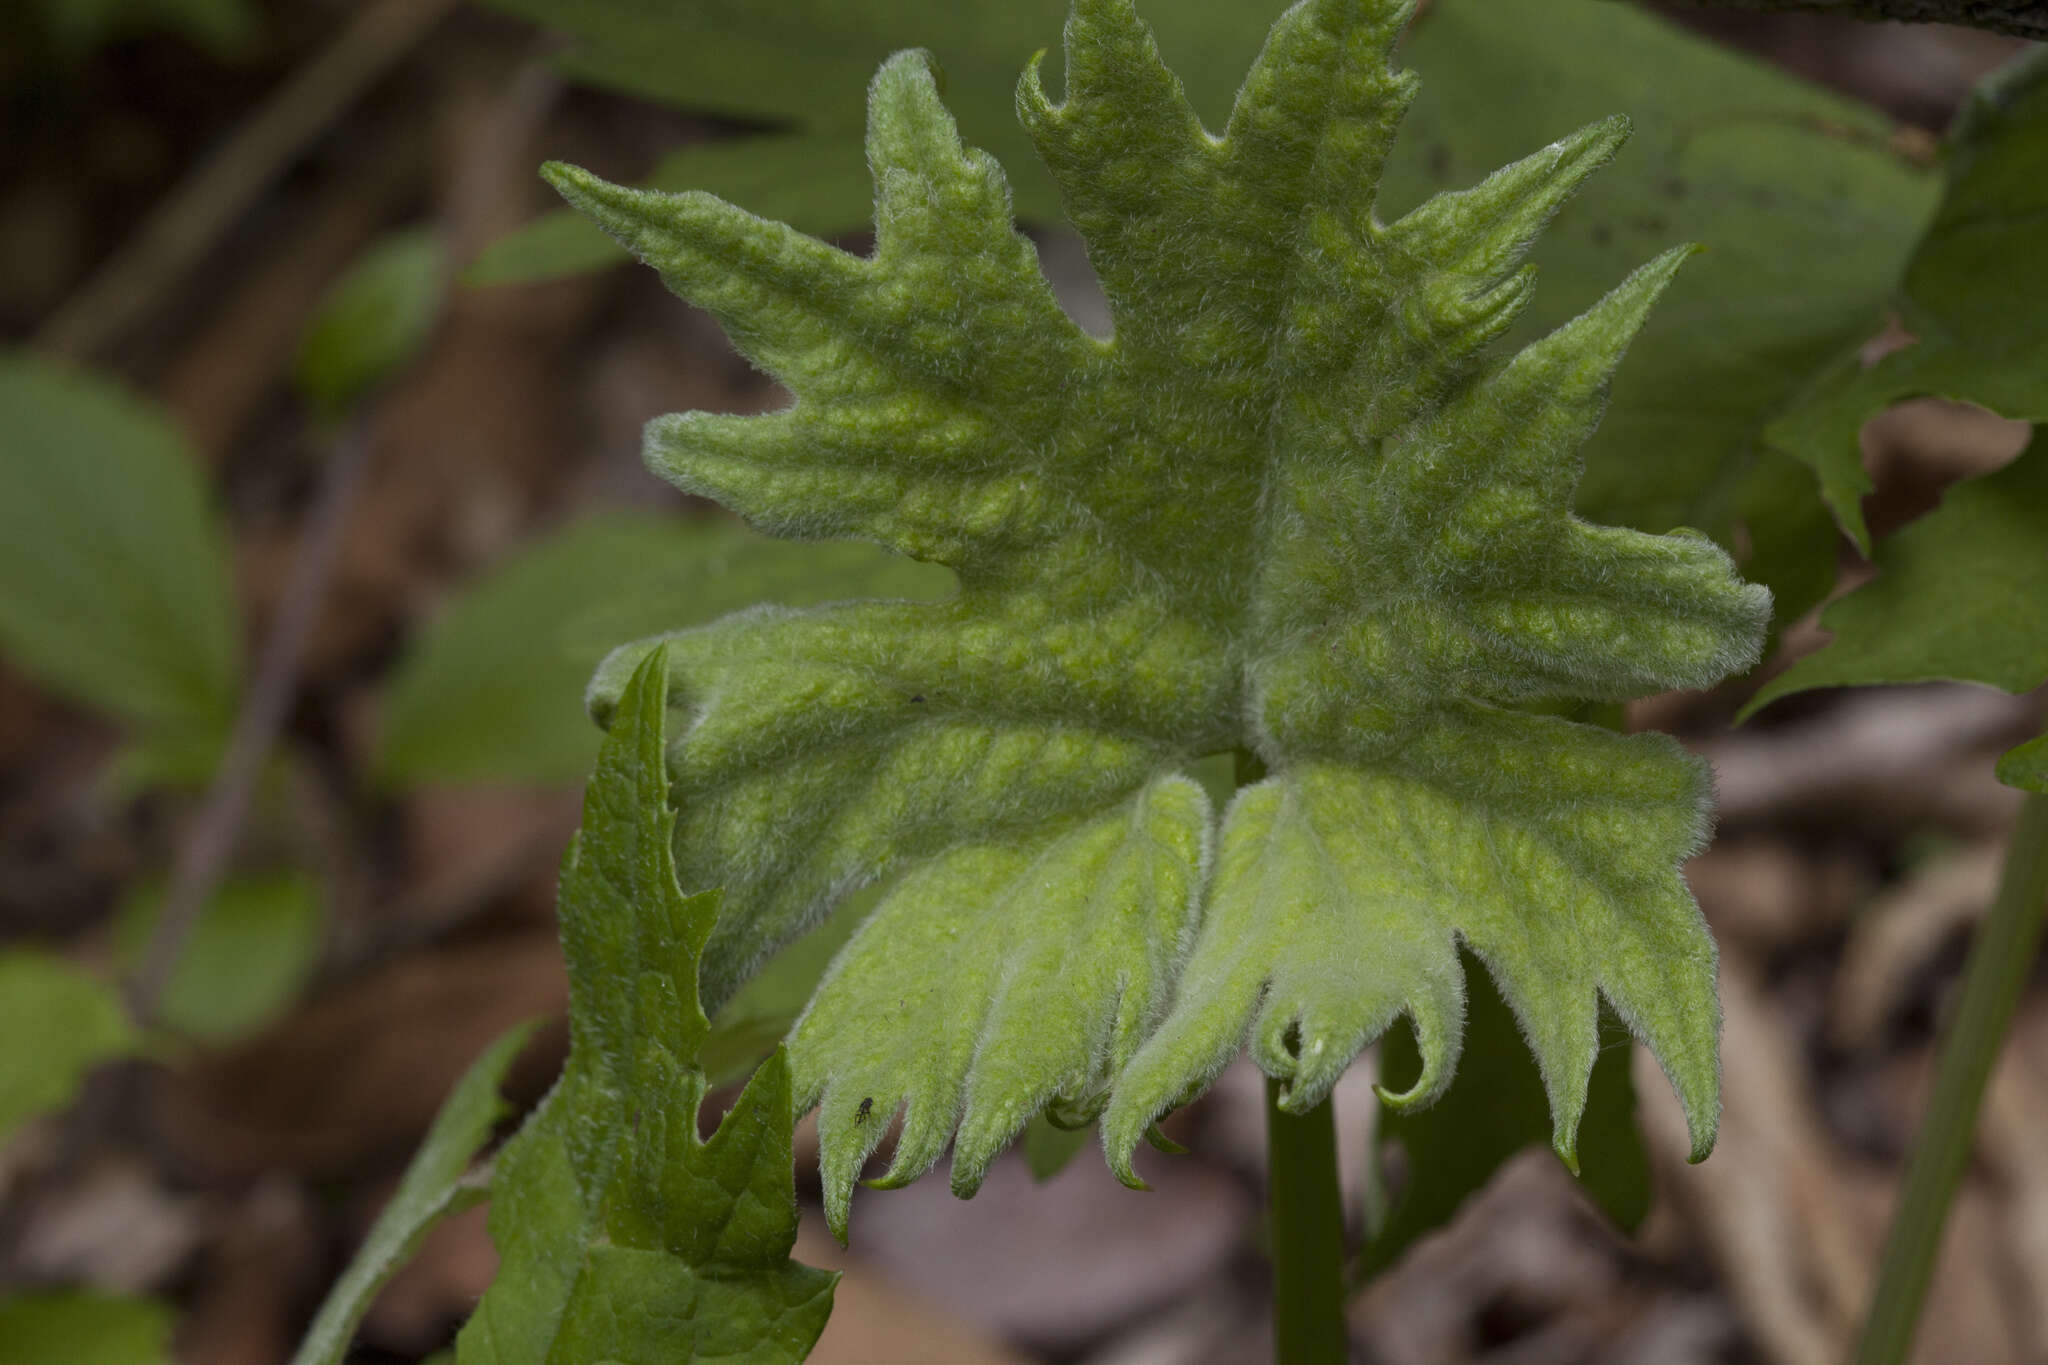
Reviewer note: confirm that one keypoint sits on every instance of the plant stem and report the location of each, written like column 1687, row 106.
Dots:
column 2001, row 960
column 1307, row 1229
column 203, row 857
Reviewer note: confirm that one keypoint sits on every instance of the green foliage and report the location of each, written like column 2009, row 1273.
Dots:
column 1958, row 595
column 433, row 1188
column 1294, row 507
column 113, row 571
column 1807, row 215
column 1493, row 1109
column 624, row 1237
column 373, row 322
column 1974, row 295
column 492, row 691
column 60, row 1023
column 77, row 26
column 2026, row 767
column 245, row 961
column 102, row 1329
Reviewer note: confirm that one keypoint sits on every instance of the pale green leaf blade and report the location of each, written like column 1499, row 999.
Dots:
column 58, row 1023
column 373, row 321
column 492, row 691
column 1341, row 899
column 114, row 583
column 1297, row 505
column 1973, row 296
column 1807, row 211
column 624, row 1236
column 1493, row 1109
column 247, row 957
column 2026, row 767
column 431, row 1189
column 935, row 1007
column 81, row 1326
column 1958, row 596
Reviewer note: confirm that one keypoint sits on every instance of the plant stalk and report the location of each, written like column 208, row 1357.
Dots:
column 1307, row 1231
column 2001, row 960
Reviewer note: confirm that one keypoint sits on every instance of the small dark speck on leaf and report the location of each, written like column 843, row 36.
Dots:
column 867, row 1106
column 1440, row 161
column 917, row 696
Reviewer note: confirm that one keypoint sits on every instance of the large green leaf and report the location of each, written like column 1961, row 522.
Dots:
column 83, row 1328
column 56, row 1024
column 113, row 571
column 1297, row 505
column 1807, row 213
column 624, row 1237
column 1974, row 295
column 432, row 1188
column 1959, row 595
column 245, row 960
column 492, row 691
column 1494, row 1109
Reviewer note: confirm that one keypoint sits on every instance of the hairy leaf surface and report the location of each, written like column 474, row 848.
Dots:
column 1808, row 209
column 623, row 1236
column 1295, row 506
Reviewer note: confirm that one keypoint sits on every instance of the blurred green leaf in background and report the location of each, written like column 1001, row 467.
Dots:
column 1807, row 210
column 84, row 1329
column 114, row 584
column 373, row 321
column 492, row 691
column 58, row 1022
column 251, row 952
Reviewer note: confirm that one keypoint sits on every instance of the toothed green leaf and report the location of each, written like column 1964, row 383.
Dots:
column 1297, row 506
column 1494, row 1109
column 623, row 1236
column 82, row 1325
column 1958, row 595
column 1806, row 207
column 1974, row 296
column 114, row 582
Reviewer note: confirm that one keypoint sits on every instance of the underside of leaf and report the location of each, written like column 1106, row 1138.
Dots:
column 1293, row 507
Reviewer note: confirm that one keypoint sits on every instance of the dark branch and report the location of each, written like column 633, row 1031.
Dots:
column 2021, row 19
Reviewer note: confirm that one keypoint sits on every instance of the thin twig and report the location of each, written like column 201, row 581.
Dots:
column 2021, row 18
column 187, row 223
column 203, row 857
